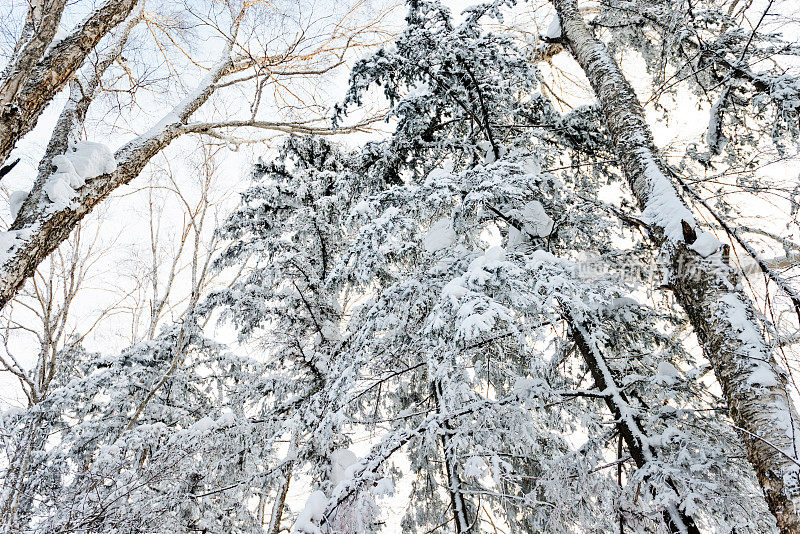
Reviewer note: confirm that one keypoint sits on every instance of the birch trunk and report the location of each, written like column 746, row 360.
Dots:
column 723, row 317
column 40, row 227
column 37, row 74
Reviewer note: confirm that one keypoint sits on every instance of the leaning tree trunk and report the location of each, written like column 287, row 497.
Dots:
column 278, row 507
column 723, row 317
column 40, row 226
column 36, row 74
column 637, row 441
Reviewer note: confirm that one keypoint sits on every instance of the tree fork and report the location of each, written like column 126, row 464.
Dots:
column 723, row 317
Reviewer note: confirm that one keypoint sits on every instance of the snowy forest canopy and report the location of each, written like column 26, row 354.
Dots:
column 286, row 266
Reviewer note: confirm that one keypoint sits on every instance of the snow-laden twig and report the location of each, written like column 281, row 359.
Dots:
column 638, row 443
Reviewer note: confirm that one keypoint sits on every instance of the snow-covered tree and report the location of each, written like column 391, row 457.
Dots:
column 479, row 296
column 506, row 330
column 723, row 316
column 287, row 237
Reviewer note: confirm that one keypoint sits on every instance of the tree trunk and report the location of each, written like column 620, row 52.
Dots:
column 630, row 428
column 458, row 503
column 723, row 317
column 40, row 228
column 275, row 517
column 27, row 87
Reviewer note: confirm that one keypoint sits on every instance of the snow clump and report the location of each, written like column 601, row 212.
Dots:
column 15, row 201
column 440, row 236
column 83, row 161
column 554, row 28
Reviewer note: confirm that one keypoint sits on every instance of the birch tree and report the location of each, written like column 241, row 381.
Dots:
column 62, row 195
column 722, row 315
column 41, row 66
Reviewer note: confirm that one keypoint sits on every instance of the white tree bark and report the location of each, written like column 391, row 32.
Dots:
column 40, row 27
column 41, row 226
column 723, row 317
column 37, row 73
